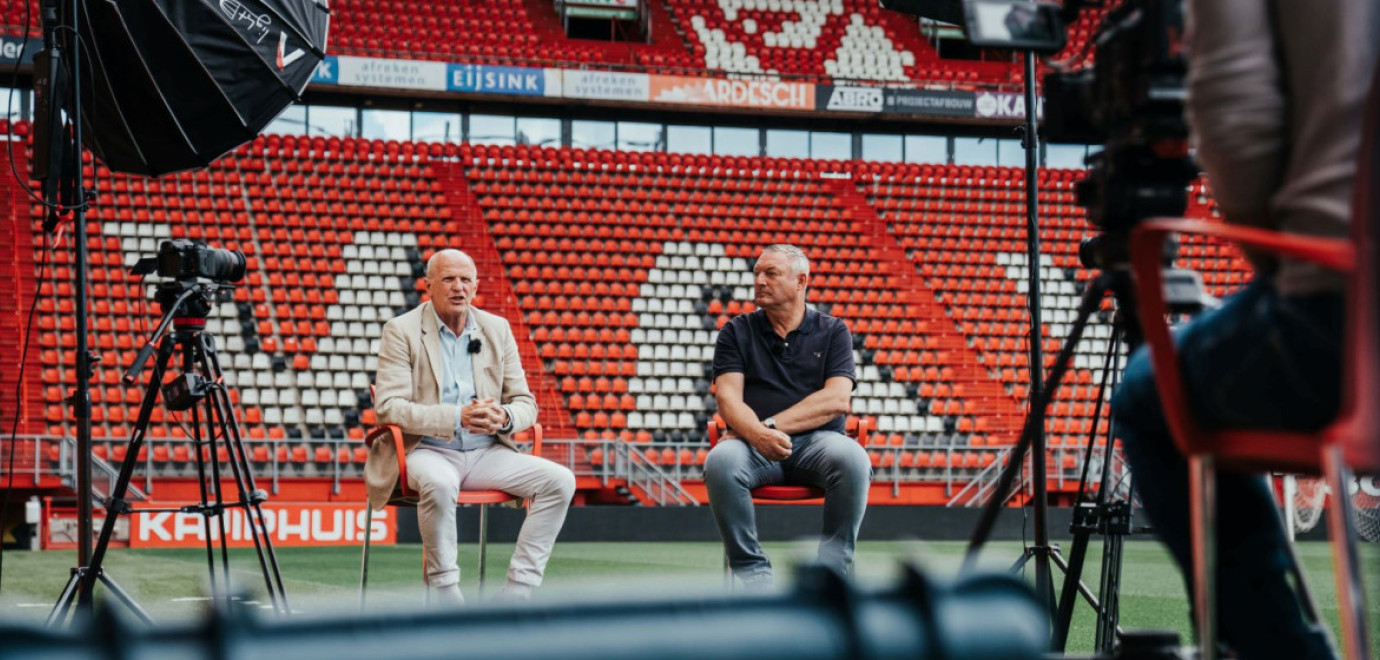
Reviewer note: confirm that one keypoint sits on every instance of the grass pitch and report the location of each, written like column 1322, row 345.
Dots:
column 171, row 584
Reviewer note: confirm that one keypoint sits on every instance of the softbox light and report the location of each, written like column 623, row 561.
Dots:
column 172, row 85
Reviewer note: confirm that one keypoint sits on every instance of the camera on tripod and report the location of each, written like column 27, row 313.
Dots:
column 185, row 259
column 186, row 262
column 1131, row 100
column 199, row 277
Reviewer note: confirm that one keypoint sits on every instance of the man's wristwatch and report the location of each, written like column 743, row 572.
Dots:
column 770, row 423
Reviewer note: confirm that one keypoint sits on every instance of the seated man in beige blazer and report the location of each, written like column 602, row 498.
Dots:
column 449, row 375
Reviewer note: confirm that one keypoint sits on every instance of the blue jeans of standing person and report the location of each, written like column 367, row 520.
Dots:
column 1261, row 361
column 824, row 459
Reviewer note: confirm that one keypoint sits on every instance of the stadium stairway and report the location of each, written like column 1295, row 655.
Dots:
column 996, row 413
column 497, row 296
column 18, row 268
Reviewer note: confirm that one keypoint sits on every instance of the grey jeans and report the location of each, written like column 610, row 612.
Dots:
column 824, row 459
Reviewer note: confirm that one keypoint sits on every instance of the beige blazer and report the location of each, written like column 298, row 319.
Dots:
column 408, row 388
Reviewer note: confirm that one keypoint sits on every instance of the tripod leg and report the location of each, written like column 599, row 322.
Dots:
column 254, row 525
column 84, row 578
column 1109, row 614
column 1068, row 596
column 119, row 593
column 188, row 364
column 64, row 601
column 253, row 515
column 244, row 477
column 1019, row 565
column 216, row 491
column 1088, row 595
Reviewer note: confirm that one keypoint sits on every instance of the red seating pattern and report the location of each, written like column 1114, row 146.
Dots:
column 529, row 32
column 621, row 266
column 965, row 227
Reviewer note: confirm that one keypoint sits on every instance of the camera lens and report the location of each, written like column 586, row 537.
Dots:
column 222, row 265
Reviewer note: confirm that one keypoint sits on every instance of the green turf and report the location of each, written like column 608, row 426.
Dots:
column 324, row 581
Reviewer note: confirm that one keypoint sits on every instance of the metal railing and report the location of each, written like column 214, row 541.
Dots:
column 37, row 465
column 980, row 489
column 655, row 484
column 613, row 462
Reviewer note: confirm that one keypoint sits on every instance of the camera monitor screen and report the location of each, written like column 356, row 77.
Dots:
column 1020, row 25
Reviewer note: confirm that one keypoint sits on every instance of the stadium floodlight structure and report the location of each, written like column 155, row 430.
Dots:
column 152, row 87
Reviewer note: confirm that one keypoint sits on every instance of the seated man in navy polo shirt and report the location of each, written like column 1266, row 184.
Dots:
column 783, row 379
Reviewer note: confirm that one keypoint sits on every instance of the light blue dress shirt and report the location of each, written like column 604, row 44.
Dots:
column 457, row 385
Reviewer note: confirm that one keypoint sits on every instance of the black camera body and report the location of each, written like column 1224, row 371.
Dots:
column 1135, row 86
column 1132, row 101
column 185, row 262
column 185, row 259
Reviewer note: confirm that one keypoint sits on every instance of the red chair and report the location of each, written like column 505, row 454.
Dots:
column 1351, row 442
column 403, row 496
column 856, row 427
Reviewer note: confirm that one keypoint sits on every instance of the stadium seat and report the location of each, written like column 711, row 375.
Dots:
column 404, row 496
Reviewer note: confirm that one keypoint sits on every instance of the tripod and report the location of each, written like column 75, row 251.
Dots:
column 1099, row 514
column 202, row 382
column 1110, row 519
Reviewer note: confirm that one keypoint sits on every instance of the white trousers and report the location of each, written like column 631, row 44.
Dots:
column 438, row 476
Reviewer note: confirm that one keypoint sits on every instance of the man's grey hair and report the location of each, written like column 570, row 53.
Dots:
column 435, row 259
column 799, row 262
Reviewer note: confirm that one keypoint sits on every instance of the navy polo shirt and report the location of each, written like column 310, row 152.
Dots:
column 780, row 373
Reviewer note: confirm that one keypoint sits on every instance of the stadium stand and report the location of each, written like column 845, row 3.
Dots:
column 616, row 268
column 633, row 354
column 825, row 40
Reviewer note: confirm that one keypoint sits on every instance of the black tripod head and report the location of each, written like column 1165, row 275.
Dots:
column 190, row 299
column 186, row 300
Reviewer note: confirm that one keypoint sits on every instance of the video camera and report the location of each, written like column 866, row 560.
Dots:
column 185, row 262
column 185, row 259
column 1132, row 101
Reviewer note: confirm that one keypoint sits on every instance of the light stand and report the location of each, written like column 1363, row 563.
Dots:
column 1106, row 520
column 1041, row 550
column 59, row 167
